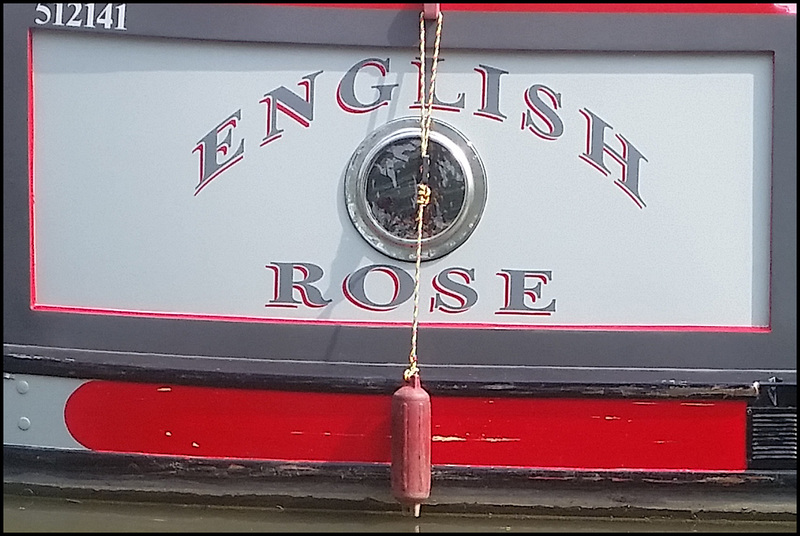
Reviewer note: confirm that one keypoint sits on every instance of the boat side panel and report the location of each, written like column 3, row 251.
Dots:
column 571, row 356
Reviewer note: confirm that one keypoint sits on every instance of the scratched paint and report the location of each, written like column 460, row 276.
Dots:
column 582, row 434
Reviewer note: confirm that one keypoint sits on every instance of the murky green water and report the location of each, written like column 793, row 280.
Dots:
column 36, row 514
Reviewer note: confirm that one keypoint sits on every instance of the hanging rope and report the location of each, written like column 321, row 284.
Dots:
column 423, row 190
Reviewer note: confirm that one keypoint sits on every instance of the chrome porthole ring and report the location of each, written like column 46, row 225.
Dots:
column 380, row 189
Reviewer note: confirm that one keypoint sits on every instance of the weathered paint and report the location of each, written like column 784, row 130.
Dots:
column 555, row 433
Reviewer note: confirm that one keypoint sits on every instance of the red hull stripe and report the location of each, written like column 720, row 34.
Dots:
column 581, row 434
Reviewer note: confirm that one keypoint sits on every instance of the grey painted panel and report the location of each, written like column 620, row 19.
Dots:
column 136, row 232
column 33, row 411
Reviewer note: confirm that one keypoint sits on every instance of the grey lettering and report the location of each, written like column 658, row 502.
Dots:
column 285, row 284
column 211, row 146
column 516, row 292
column 547, row 114
column 346, row 92
column 628, row 159
column 354, row 287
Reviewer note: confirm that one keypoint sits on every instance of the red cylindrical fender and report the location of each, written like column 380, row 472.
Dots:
column 411, row 445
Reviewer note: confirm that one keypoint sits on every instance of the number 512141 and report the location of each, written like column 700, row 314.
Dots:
column 108, row 16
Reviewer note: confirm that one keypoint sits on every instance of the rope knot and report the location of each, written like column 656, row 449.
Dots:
column 423, row 195
column 411, row 371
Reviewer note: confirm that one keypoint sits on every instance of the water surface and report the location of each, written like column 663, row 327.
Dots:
column 44, row 514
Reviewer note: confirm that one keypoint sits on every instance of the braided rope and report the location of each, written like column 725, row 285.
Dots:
column 423, row 190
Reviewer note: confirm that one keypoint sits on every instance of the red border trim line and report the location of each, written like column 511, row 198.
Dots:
column 694, row 8
column 358, row 323
column 32, row 244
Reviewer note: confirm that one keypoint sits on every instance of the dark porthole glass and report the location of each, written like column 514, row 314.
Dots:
column 392, row 179
column 380, row 189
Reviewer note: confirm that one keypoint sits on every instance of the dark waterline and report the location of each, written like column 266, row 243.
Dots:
column 43, row 514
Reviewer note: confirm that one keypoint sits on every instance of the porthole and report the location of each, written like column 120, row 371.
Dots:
column 381, row 185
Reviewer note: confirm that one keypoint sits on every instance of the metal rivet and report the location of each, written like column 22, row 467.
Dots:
column 22, row 387
column 24, row 423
